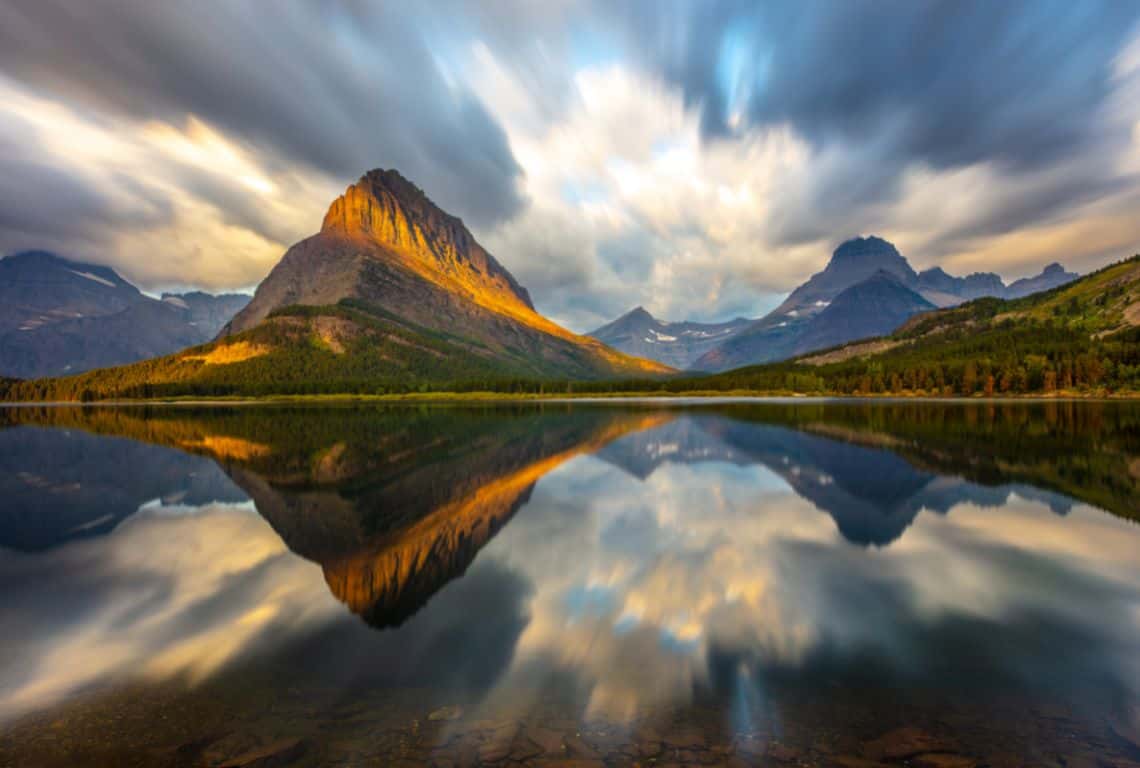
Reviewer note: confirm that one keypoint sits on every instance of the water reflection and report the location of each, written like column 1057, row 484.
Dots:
column 626, row 561
column 172, row 590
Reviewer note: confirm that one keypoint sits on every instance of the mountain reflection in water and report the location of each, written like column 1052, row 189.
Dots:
column 626, row 560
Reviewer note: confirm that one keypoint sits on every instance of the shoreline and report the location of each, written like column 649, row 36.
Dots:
column 656, row 398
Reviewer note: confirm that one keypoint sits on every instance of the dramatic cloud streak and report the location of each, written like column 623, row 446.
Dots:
column 697, row 158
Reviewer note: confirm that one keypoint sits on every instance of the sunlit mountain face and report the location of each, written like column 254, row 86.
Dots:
column 556, row 580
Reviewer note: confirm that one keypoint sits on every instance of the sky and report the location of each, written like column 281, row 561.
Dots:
column 697, row 158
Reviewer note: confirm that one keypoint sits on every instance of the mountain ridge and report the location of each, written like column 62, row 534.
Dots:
column 1082, row 336
column 61, row 316
column 678, row 344
column 845, row 319
column 777, row 335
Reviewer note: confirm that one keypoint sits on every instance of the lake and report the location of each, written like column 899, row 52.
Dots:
column 937, row 584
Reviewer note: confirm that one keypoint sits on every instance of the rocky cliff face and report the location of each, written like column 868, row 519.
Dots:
column 386, row 246
column 387, row 209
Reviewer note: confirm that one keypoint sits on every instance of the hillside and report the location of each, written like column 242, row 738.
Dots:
column 298, row 350
column 1079, row 337
column 59, row 316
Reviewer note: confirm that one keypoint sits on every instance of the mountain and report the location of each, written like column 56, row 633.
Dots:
column 392, row 294
column 1083, row 336
column 59, row 316
column 944, row 290
column 675, row 344
column 781, row 333
column 207, row 312
column 873, row 307
column 385, row 246
column 852, row 262
column 1053, row 276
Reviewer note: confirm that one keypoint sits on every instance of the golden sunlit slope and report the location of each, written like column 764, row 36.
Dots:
column 342, row 348
column 386, row 245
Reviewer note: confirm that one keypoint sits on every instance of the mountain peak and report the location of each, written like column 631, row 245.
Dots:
column 376, row 202
column 387, row 210
column 46, row 257
column 859, row 257
column 1053, row 269
column 46, row 262
column 860, row 248
column 852, row 262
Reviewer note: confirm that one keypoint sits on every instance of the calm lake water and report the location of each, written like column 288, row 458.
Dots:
column 757, row 583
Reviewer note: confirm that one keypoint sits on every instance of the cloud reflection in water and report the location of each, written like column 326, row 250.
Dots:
column 643, row 561
column 171, row 591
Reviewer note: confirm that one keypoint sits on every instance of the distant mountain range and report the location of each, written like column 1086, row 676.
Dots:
column 676, row 344
column 1083, row 336
column 394, row 295
column 823, row 312
column 59, row 317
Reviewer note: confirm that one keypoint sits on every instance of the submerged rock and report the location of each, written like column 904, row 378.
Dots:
column 907, row 742
column 278, row 753
column 451, row 712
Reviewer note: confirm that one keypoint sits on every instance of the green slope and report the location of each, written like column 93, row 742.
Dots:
column 349, row 347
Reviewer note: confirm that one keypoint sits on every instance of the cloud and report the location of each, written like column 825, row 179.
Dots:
column 339, row 89
column 700, row 159
column 955, row 83
column 730, row 202
column 166, row 204
column 650, row 213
